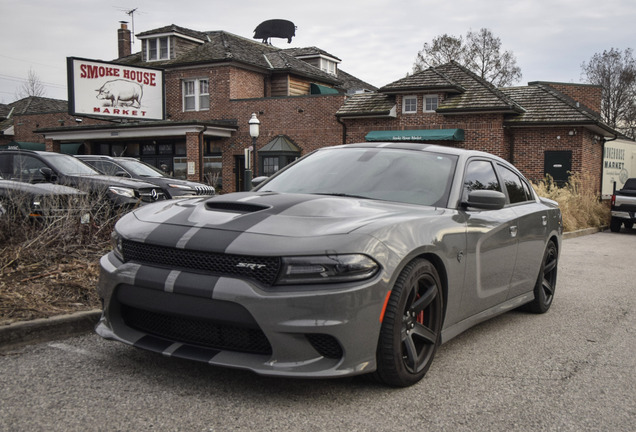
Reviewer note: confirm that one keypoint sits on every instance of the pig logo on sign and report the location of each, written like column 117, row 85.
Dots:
column 121, row 93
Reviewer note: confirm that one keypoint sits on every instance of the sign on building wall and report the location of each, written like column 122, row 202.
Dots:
column 113, row 90
column 619, row 164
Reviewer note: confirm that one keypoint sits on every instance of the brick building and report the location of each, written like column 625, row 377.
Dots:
column 215, row 81
column 543, row 128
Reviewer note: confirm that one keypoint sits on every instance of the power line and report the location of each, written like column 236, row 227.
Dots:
column 23, row 80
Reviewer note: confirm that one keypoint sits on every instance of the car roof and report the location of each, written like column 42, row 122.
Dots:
column 435, row 148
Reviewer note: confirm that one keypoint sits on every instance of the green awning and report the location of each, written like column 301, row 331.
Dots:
column 417, row 135
column 23, row 145
column 321, row 89
column 66, row 148
column 70, row 148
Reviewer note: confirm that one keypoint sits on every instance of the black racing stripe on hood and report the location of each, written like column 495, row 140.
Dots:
column 166, row 234
column 220, row 240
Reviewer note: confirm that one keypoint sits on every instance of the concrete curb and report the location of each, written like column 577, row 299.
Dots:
column 583, row 232
column 18, row 334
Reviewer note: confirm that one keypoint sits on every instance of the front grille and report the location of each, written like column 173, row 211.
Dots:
column 326, row 345
column 197, row 331
column 151, row 195
column 204, row 190
column 262, row 269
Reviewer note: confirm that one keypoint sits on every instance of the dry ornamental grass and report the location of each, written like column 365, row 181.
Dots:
column 51, row 267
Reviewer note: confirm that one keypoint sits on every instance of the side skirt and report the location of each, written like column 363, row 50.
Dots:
column 462, row 326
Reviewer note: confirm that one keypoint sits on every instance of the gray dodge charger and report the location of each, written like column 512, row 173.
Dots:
column 355, row 259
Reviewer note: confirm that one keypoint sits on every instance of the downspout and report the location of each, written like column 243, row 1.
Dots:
column 344, row 130
column 201, row 151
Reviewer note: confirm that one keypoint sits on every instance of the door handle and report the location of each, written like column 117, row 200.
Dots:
column 513, row 231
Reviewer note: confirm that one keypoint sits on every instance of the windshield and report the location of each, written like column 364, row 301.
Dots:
column 408, row 176
column 141, row 169
column 70, row 166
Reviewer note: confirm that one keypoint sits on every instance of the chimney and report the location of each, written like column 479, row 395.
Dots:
column 123, row 40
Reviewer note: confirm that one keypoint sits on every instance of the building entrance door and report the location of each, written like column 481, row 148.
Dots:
column 558, row 164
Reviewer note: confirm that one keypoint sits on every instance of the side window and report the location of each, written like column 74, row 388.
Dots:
column 480, row 175
column 514, row 185
column 5, row 166
column 109, row 168
column 27, row 168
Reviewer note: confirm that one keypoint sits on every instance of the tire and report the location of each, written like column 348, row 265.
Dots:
column 615, row 225
column 411, row 328
column 546, row 281
column 628, row 225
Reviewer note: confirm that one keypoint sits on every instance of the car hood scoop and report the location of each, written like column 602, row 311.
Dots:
column 290, row 215
column 234, row 207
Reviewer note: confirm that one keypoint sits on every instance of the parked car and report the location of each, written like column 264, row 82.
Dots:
column 624, row 206
column 354, row 259
column 50, row 167
column 41, row 202
column 134, row 168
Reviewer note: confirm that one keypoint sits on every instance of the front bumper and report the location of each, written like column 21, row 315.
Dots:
column 325, row 331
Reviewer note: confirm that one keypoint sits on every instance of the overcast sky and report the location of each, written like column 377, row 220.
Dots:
column 377, row 40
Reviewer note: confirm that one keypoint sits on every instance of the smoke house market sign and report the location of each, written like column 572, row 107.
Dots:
column 113, row 90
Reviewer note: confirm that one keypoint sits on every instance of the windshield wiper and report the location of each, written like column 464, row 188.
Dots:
column 340, row 194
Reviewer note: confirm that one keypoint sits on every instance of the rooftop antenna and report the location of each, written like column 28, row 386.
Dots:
column 131, row 14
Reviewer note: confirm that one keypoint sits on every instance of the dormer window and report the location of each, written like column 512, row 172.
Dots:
column 158, row 48
column 328, row 66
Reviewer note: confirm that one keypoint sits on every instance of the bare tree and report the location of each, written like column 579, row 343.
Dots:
column 480, row 52
column 440, row 51
column 615, row 72
column 485, row 58
column 31, row 87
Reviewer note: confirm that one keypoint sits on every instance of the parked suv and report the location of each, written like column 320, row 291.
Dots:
column 50, row 167
column 41, row 202
column 134, row 168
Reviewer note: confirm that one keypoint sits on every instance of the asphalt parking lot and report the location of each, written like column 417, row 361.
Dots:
column 571, row 369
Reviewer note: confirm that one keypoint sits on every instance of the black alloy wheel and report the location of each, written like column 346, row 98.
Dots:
column 546, row 282
column 411, row 327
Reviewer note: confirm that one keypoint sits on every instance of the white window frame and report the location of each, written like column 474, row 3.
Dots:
column 328, row 66
column 425, row 104
column 156, row 42
column 199, row 92
column 404, row 101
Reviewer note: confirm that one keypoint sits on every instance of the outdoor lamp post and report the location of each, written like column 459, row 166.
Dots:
column 255, row 126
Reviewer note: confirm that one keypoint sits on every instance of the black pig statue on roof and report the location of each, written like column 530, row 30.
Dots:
column 278, row 28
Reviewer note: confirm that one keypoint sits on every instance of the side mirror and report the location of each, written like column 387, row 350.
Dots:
column 258, row 180
column 48, row 174
column 121, row 174
column 485, row 200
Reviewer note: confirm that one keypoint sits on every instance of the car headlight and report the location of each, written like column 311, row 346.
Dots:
column 125, row 192
column 178, row 186
column 326, row 269
column 116, row 241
